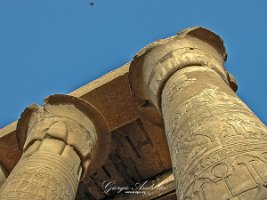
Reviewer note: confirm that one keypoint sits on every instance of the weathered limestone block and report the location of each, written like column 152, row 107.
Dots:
column 218, row 146
column 62, row 142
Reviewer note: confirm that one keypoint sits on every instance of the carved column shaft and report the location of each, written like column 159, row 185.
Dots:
column 218, row 146
column 48, row 170
column 61, row 145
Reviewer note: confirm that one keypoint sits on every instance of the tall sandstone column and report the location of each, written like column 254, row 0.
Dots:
column 62, row 142
column 218, row 146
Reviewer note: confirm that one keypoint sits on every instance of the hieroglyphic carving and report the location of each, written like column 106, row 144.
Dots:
column 9, row 152
column 59, row 142
column 41, row 174
column 217, row 145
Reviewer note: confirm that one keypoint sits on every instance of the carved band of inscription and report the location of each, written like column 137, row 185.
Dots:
column 175, row 61
column 241, row 177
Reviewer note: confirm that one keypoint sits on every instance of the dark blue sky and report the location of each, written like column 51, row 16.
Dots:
column 56, row 46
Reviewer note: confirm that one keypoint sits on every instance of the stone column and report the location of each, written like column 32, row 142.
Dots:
column 62, row 142
column 218, row 146
column 2, row 174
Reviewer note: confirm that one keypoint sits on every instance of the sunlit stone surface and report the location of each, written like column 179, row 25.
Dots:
column 218, row 146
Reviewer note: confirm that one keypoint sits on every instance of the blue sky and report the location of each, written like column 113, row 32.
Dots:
column 56, row 46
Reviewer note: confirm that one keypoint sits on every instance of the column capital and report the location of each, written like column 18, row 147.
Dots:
column 154, row 64
column 71, row 120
